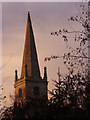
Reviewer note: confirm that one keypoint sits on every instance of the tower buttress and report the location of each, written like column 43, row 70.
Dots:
column 16, row 75
column 45, row 73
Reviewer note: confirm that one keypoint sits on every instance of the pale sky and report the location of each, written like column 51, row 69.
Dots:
column 46, row 18
column 44, row 0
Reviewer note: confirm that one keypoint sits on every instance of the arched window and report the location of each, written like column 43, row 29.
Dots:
column 36, row 91
column 20, row 92
column 19, row 104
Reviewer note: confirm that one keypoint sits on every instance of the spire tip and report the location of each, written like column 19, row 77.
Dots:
column 28, row 12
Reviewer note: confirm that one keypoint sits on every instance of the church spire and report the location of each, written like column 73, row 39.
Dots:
column 30, row 55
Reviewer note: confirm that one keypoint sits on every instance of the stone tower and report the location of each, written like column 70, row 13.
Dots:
column 30, row 85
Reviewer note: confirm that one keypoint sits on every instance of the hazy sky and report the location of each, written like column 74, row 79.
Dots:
column 44, row 0
column 46, row 18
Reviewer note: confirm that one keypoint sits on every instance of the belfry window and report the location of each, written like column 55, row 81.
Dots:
column 36, row 91
column 20, row 92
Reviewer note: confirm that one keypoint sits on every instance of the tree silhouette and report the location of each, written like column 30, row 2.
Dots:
column 58, row 92
column 77, row 60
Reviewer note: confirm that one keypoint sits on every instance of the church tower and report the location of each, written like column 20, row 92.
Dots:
column 30, row 85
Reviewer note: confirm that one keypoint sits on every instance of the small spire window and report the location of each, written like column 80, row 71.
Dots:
column 20, row 92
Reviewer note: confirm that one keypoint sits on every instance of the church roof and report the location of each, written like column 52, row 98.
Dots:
column 30, row 54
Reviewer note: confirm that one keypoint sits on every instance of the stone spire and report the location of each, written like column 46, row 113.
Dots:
column 30, row 55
